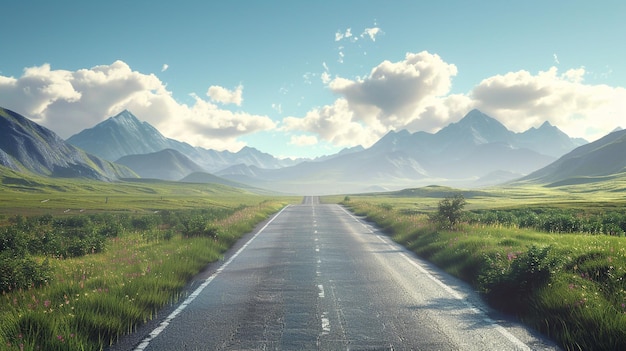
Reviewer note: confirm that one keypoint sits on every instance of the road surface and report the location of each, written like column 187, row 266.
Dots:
column 317, row 278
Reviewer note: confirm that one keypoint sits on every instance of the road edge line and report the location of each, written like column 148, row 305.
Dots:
column 385, row 239
column 156, row 331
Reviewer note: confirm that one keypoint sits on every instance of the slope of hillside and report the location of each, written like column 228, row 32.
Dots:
column 466, row 153
column 167, row 164
column 27, row 146
column 601, row 158
column 124, row 135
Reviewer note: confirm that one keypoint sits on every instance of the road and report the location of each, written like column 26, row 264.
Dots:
column 317, row 278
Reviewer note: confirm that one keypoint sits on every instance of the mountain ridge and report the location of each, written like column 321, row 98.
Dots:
column 124, row 134
column 601, row 158
column 468, row 152
column 167, row 164
column 465, row 151
column 28, row 146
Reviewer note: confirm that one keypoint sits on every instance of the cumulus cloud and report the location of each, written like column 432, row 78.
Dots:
column 409, row 94
column 395, row 93
column 165, row 67
column 414, row 94
column 69, row 101
column 335, row 123
column 225, row 96
column 522, row 100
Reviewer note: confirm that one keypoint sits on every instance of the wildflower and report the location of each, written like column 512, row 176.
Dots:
column 46, row 303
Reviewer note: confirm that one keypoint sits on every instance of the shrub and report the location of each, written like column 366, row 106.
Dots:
column 450, row 211
column 509, row 283
column 17, row 272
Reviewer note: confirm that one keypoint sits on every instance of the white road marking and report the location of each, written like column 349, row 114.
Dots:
column 321, row 291
column 146, row 341
column 517, row 342
column 325, row 324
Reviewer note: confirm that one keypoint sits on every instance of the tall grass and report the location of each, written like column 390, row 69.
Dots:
column 92, row 300
column 572, row 287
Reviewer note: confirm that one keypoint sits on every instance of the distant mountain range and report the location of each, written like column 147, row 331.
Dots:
column 26, row 146
column 476, row 151
column 124, row 135
column 600, row 160
column 167, row 164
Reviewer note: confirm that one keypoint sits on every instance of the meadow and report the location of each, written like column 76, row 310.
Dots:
column 554, row 257
column 83, row 263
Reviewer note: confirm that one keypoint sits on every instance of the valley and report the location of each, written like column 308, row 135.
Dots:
column 562, row 210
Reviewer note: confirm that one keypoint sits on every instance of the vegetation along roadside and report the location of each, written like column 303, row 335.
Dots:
column 560, row 267
column 79, row 280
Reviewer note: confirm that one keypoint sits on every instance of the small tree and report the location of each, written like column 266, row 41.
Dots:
column 450, row 211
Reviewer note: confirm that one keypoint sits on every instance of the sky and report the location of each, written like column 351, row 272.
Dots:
column 309, row 78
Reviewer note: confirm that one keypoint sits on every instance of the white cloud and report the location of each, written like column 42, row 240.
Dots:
column 165, row 67
column 414, row 94
column 522, row 100
column 335, row 123
column 303, row 140
column 339, row 35
column 556, row 59
column 325, row 77
column 69, row 101
column 225, row 96
column 371, row 33
column 411, row 94
column 395, row 93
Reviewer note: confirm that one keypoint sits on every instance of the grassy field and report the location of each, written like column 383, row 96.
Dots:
column 143, row 241
column 569, row 286
column 157, row 235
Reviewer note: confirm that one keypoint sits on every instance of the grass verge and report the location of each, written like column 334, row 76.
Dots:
column 93, row 300
column 571, row 287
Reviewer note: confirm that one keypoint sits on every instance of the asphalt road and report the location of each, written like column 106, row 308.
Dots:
column 317, row 278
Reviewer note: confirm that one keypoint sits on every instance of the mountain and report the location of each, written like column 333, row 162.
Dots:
column 124, row 134
column 167, row 164
column 27, row 146
column 548, row 140
column 467, row 153
column 599, row 159
column 475, row 150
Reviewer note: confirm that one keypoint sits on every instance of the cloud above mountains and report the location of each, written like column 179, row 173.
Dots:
column 70, row 101
column 522, row 100
column 413, row 93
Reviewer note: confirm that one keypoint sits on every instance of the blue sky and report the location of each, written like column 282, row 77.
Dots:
column 307, row 78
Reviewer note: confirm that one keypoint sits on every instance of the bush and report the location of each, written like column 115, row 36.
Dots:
column 509, row 283
column 450, row 211
column 18, row 272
